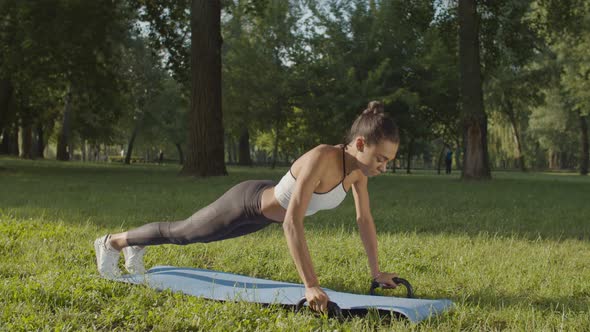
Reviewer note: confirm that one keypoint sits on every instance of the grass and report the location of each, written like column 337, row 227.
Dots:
column 512, row 253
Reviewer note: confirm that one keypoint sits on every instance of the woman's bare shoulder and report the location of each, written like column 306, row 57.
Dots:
column 320, row 154
column 324, row 151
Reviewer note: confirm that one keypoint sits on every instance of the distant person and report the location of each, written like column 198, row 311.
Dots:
column 319, row 180
column 448, row 160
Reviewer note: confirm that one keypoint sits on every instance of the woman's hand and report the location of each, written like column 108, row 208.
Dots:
column 385, row 279
column 317, row 298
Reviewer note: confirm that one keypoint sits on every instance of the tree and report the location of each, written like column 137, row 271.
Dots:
column 564, row 25
column 513, row 78
column 475, row 160
column 575, row 82
column 57, row 49
column 258, row 81
column 144, row 78
column 513, row 91
column 173, row 105
column 205, row 151
column 205, row 144
column 552, row 124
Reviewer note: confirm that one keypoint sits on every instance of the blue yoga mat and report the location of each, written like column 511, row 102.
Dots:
column 224, row 286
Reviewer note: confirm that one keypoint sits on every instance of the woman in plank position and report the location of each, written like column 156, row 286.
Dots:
column 318, row 180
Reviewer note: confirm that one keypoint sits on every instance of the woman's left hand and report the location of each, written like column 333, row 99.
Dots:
column 385, row 279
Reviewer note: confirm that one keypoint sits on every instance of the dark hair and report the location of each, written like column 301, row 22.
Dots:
column 374, row 125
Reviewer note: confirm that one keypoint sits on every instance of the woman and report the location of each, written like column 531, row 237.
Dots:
column 318, row 180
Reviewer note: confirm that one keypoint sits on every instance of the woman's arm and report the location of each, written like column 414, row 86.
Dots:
column 294, row 233
column 364, row 220
column 369, row 237
column 367, row 230
column 307, row 180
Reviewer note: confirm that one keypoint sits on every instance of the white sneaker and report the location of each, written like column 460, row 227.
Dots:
column 107, row 258
column 134, row 259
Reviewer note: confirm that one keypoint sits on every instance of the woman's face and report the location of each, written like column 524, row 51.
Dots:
column 373, row 159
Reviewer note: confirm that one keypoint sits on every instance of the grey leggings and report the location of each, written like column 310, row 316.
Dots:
column 237, row 212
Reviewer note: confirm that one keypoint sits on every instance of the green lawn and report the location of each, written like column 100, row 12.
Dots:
column 513, row 253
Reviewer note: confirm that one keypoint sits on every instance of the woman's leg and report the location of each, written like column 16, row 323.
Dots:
column 237, row 212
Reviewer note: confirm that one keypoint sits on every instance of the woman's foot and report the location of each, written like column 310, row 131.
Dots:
column 107, row 258
column 134, row 259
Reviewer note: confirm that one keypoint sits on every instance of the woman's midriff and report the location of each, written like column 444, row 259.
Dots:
column 271, row 207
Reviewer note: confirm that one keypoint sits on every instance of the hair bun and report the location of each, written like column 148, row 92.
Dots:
column 375, row 107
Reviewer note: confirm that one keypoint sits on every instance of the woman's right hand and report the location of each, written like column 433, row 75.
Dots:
column 317, row 299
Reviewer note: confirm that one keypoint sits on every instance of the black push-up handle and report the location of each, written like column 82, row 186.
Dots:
column 398, row 281
column 333, row 308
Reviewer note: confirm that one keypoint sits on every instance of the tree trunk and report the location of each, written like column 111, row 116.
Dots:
column 228, row 149
column 27, row 141
column 275, row 150
column 552, row 159
column 584, row 138
column 458, row 154
column 180, row 155
column 563, row 160
column 62, row 141
column 235, row 150
column 9, row 144
column 71, row 150
column 132, row 140
column 14, row 148
column 3, row 145
column 205, row 156
column 35, row 143
column 5, row 102
column 244, row 147
column 44, row 131
column 94, row 152
column 40, row 141
column 517, row 138
column 440, row 157
column 475, row 159
column 84, row 147
column 410, row 152
column 90, row 152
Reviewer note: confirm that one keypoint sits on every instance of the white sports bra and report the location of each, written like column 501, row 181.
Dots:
column 319, row 201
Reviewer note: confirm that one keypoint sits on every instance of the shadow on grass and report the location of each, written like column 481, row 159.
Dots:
column 500, row 301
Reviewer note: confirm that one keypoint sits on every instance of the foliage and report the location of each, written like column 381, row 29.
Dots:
column 51, row 47
column 297, row 72
column 169, row 33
